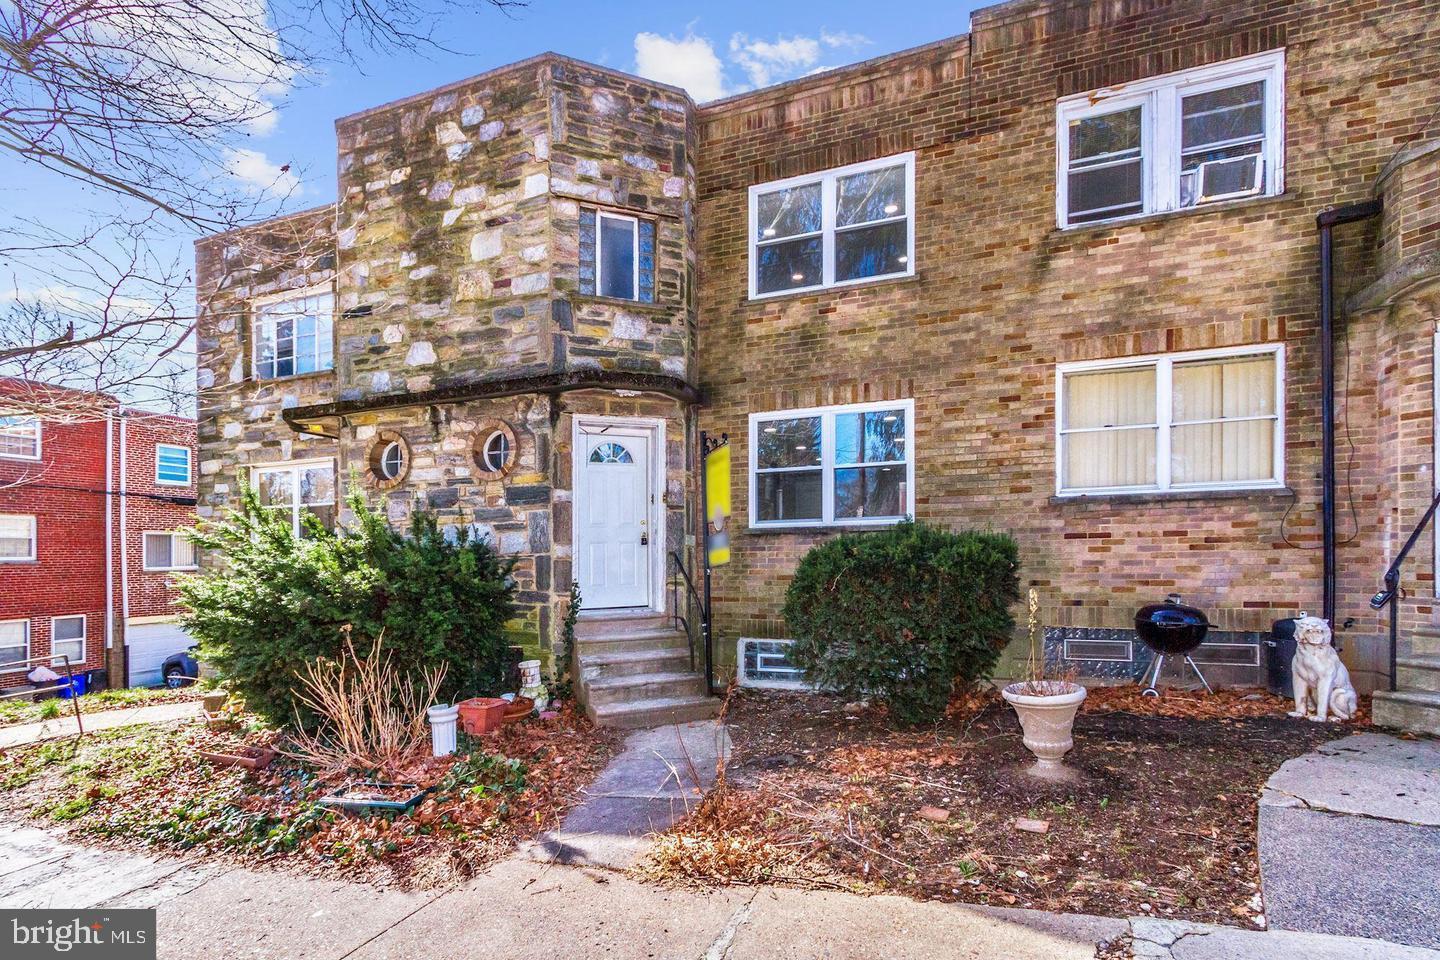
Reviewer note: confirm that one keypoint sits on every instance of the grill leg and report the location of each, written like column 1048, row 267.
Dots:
column 1154, row 672
column 1198, row 673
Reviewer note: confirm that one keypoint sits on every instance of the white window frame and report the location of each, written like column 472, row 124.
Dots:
column 261, row 306
column 29, row 641
column 1159, row 99
column 84, row 637
column 600, row 217
column 189, row 466
column 1164, row 396
column 145, row 550
column 13, row 431
column 827, row 180
column 34, row 539
column 295, row 467
column 828, row 465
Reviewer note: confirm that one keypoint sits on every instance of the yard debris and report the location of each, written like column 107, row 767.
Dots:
column 816, row 794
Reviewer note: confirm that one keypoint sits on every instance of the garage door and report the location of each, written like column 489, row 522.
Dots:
column 150, row 644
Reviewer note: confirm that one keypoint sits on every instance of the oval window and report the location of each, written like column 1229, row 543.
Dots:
column 495, row 455
column 392, row 461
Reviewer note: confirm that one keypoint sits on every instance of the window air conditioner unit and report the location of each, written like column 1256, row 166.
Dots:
column 1228, row 179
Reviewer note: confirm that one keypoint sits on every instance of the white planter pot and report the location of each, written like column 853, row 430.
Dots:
column 1047, row 722
column 442, row 729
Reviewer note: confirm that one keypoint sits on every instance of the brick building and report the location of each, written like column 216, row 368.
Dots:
column 1056, row 276
column 90, row 500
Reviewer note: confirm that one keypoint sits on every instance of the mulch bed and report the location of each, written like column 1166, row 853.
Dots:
column 147, row 787
column 1162, row 821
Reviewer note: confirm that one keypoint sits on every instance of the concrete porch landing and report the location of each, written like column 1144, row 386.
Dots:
column 1350, row 840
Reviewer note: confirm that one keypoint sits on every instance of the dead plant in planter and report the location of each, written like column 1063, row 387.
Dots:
column 1046, row 707
column 372, row 716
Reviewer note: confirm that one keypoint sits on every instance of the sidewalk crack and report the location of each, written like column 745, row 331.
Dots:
column 720, row 946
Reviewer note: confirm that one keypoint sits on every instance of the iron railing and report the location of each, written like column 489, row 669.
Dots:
column 1391, row 594
column 688, row 611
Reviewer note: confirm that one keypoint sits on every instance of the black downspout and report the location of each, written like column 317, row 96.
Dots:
column 1325, row 222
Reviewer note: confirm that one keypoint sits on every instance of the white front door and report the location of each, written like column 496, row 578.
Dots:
column 613, row 516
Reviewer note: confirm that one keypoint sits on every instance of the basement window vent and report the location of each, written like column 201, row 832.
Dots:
column 765, row 664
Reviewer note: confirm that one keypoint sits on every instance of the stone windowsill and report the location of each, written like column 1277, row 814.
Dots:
column 818, row 529
column 1168, row 496
column 832, row 292
column 635, row 306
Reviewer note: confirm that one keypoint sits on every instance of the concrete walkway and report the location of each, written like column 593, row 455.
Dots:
column 659, row 776
column 1350, row 840
column 64, row 726
column 525, row 908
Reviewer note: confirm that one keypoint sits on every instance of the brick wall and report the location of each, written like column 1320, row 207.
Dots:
column 153, row 506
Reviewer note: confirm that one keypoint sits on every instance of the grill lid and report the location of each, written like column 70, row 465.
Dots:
column 1171, row 627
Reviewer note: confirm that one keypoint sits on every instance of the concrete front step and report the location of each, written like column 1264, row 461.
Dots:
column 632, row 663
column 1415, row 710
column 1418, row 673
column 648, row 686
column 1421, row 641
column 620, row 624
column 635, row 714
column 667, row 639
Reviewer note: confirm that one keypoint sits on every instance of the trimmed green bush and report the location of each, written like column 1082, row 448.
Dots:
column 279, row 602
column 903, row 615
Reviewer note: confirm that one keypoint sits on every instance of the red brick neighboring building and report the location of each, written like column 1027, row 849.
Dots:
column 90, row 500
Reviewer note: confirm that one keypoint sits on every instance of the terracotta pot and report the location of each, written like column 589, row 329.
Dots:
column 518, row 709
column 1047, row 720
column 481, row 715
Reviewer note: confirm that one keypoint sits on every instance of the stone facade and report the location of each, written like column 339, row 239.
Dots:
column 456, row 263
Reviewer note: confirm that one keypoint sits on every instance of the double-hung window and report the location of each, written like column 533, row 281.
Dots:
column 617, row 256
column 67, row 638
column 14, row 645
column 17, row 538
column 168, row 551
column 294, row 336
column 1166, row 143
column 839, row 227
column 172, row 465
column 833, row 465
column 19, row 436
column 294, row 489
column 1208, row 420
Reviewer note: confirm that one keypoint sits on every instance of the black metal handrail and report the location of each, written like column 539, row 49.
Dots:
column 1391, row 594
column 693, row 605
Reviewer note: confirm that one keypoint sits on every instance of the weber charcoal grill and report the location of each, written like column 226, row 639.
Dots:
column 1171, row 629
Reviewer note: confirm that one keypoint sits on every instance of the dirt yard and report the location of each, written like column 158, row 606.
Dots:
column 1162, row 821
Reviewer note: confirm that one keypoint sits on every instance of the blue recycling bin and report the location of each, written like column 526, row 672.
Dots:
column 77, row 686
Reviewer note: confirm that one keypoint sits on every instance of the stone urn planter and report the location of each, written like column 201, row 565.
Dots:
column 1046, row 709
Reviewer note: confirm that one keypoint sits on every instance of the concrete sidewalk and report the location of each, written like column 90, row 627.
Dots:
column 525, row 908
column 1350, row 840
column 64, row 726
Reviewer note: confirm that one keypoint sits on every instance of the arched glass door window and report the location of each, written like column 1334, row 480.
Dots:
column 610, row 452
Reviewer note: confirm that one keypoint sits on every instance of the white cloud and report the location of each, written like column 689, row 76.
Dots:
column 843, row 40
column 690, row 63
column 765, row 60
column 259, row 175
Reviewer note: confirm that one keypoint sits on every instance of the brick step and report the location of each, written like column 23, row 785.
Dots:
column 648, row 640
column 634, row 714
column 645, row 686
column 627, row 664
column 1418, row 673
column 1415, row 710
column 618, row 624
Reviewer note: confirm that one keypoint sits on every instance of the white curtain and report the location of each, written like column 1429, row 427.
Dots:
column 1122, row 454
column 1221, row 447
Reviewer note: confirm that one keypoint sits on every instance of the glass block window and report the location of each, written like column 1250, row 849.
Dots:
column 842, row 226
column 766, row 663
column 1180, row 140
column 617, row 256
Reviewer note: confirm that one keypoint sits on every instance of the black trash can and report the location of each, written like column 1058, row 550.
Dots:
column 97, row 680
column 1279, row 651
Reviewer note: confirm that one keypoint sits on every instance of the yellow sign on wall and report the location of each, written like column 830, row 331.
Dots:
column 717, row 505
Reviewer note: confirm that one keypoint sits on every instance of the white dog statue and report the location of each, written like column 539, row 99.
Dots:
column 1320, row 678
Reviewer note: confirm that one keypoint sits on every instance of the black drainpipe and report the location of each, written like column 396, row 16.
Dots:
column 1325, row 222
